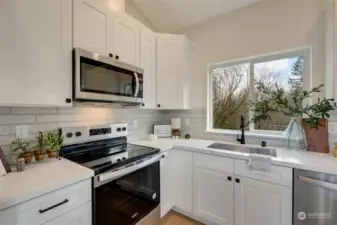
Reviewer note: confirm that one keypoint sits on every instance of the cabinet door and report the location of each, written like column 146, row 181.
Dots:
column 258, row 203
column 126, row 38
column 92, row 26
column 171, row 72
column 148, row 63
column 166, row 184
column 79, row 216
column 35, row 56
column 213, row 196
column 183, row 166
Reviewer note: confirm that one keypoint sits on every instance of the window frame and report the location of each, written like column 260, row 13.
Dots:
column 305, row 52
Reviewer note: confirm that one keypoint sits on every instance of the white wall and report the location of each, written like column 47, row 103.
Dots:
column 132, row 10
column 264, row 27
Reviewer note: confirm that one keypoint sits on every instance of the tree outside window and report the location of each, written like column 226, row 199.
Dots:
column 233, row 86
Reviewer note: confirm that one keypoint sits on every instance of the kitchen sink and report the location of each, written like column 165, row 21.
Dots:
column 244, row 149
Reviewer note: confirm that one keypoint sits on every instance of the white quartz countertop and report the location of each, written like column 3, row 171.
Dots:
column 39, row 179
column 295, row 159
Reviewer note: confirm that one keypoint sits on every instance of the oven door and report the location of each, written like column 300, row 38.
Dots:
column 128, row 195
column 103, row 79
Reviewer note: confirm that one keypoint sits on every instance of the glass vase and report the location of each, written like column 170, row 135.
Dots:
column 294, row 136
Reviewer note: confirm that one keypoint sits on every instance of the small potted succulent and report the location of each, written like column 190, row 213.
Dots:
column 53, row 142
column 24, row 148
column 39, row 149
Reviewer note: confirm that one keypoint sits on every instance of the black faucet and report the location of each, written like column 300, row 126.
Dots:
column 242, row 126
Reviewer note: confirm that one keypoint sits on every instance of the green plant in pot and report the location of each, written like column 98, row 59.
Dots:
column 22, row 146
column 53, row 142
column 40, row 147
column 273, row 99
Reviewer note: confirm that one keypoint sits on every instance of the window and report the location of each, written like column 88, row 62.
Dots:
column 232, row 85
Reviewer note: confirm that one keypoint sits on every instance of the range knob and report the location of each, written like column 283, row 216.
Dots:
column 78, row 134
column 119, row 129
column 69, row 135
column 123, row 158
column 118, row 160
column 124, row 129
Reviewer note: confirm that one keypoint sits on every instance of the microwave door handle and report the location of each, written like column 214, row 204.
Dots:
column 319, row 183
column 137, row 84
column 128, row 169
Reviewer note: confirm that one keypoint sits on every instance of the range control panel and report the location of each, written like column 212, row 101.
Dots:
column 99, row 131
column 75, row 135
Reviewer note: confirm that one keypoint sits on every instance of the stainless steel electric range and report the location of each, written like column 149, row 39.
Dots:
column 126, row 186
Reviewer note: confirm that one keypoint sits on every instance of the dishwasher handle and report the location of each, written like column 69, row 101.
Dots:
column 319, row 183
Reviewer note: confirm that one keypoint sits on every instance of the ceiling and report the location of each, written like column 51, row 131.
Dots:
column 176, row 15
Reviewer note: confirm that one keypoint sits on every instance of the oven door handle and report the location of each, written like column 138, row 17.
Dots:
column 128, row 168
column 137, row 84
column 319, row 183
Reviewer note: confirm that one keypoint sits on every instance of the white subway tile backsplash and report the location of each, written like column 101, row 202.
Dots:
column 4, row 110
column 73, row 110
column 33, row 110
column 16, row 119
column 34, row 128
column 7, row 130
column 47, row 119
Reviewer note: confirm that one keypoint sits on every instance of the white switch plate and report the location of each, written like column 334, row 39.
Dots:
column 21, row 132
column 332, row 127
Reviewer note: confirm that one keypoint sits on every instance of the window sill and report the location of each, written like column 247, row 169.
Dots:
column 261, row 134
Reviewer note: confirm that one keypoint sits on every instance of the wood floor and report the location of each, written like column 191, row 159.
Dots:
column 178, row 219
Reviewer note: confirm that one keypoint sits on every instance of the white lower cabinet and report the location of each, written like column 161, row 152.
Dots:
column 166, row 184
column 213, row 196
column 209, row 188
column 259, row 203
column 79, row 216
column 70, row 205
column 176, row 181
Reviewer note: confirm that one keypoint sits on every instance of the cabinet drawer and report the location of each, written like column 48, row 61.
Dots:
column 214, row 162
column 277, row 175
column 54, row 204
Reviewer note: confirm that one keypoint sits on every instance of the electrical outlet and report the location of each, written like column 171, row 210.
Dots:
column 21, row 132
column 332, row 127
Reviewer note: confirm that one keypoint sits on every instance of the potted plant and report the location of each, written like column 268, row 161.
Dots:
column 39, row 149
column 24, row 148
column 274, row 99
column 53, row 142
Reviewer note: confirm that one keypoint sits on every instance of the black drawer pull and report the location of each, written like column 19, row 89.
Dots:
column 237, row 180
column 54, row 206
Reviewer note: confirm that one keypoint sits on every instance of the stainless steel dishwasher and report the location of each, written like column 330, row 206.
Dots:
column 315, row 198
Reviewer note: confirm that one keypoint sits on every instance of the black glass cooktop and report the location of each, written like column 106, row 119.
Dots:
column 106, row 155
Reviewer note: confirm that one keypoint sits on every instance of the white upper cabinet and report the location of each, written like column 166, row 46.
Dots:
column 93, row 26
column 172, row 89
column 147, row 61
column 114, row 5
column 35, row 56
column 126, row 38
column 259, row 203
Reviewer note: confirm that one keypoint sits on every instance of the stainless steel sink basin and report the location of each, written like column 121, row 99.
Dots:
column 245, row 149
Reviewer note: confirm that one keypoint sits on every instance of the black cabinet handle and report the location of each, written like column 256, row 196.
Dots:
column 143, row 104
column 237, row 180
column 68, row 100
column 111, row 55
column 229, row 178
column 163, row 156
column 54, row 206
column 158, row 105
column 117, row 57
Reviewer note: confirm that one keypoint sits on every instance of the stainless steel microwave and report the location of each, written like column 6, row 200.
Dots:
column 98, row 78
